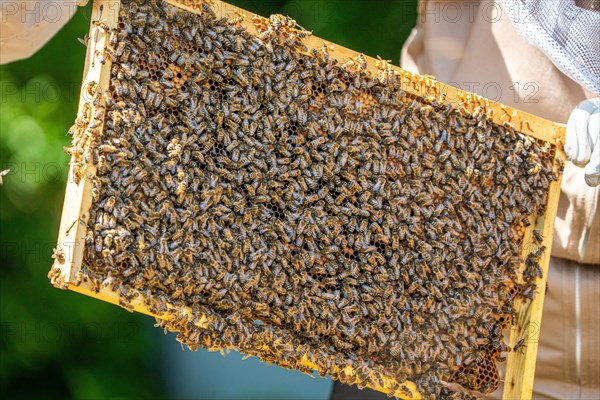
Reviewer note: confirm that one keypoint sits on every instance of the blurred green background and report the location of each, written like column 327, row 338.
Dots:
column 58, row 344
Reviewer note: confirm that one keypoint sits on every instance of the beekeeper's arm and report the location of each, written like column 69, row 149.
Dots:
column 27, row 25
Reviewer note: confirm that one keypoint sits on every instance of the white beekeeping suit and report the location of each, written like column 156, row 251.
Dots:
column 27, row 25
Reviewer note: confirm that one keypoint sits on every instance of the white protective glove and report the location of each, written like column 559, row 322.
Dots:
column 583, row 139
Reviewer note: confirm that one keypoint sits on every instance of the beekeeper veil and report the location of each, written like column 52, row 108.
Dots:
column 567, row 31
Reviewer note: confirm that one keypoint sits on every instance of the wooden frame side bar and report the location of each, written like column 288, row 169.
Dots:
column 78, row 195
column 520, row 365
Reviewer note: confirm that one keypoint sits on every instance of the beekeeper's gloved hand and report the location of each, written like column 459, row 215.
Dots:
column 27, row 25
column 583, row 139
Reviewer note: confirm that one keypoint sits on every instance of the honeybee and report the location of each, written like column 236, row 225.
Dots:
column 519, row 346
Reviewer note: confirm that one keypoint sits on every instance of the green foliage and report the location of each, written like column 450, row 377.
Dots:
column 57, row 344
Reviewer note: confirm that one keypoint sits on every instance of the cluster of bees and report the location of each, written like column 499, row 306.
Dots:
column 309, row 210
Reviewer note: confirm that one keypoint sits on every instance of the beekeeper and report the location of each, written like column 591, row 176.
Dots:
column 542, row 57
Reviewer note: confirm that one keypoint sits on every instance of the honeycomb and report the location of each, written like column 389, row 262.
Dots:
column 308, row 209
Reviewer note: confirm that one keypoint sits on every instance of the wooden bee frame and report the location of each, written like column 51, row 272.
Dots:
column 78, row 199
